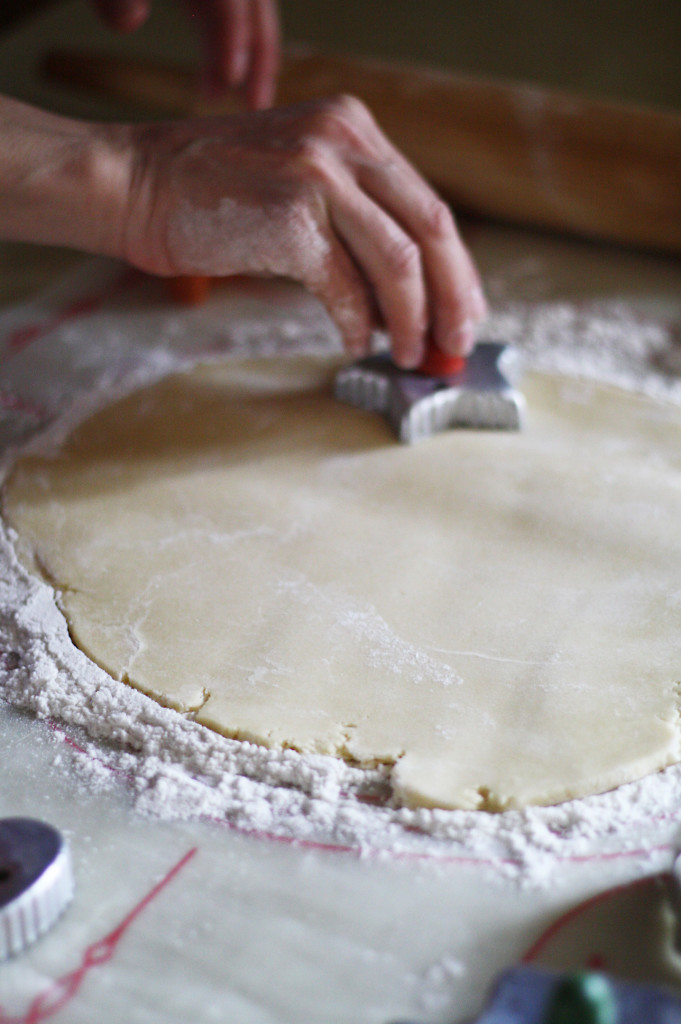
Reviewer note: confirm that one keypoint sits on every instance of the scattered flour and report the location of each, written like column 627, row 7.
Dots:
column 175, row 768
column 599, row 341
column 435, row 993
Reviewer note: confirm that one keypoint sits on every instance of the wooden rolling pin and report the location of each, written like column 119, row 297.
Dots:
column 519, row 153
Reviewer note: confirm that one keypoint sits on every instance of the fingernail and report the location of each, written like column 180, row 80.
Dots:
column 356, row 349
column 409, row 360
column 478, row 303
column 464, row 339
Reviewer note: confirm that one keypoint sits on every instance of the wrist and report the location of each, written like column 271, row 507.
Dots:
column 62, row 182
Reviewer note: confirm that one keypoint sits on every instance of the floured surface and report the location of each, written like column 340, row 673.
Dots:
column 494, row 613
column 421, row 940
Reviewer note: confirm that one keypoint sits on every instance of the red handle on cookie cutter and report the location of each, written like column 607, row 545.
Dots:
column 192, row 290
column 437, row 363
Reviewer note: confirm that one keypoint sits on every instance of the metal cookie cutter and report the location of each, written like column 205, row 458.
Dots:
column 36, row 882
column 419, row 403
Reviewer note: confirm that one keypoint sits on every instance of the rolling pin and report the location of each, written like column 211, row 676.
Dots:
column 514, row 152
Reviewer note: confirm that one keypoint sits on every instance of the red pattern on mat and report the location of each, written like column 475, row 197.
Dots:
column 24, row 336
column 544, row 940
column 63, row 990
column 367, row 852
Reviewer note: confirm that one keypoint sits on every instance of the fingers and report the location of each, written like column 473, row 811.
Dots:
column 123, row 15
column 265, row 55
column 402, row 236
column 241, row 43
column 455, row 298
column 224, row 27
column 391, row 261
column 233, row 38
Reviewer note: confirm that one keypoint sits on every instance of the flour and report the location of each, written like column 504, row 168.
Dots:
column 604, row 342
column 111, row 735
column 286, row 237
column 232, row 238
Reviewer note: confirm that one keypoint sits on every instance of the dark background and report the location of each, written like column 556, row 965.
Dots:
column 626, row 49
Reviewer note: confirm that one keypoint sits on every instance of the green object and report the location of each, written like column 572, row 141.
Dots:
column 582, row 998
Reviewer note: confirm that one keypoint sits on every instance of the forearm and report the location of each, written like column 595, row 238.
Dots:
column 62, row 182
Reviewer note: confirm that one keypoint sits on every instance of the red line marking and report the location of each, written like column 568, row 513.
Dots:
column 24, row 336
column 63, row 990
column 537, row 948
column 81, row 750
column 397, row 855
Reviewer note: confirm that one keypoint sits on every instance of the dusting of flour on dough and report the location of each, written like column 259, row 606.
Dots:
column 177, row 769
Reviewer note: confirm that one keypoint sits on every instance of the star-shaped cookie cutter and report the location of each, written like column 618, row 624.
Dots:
column 480, row 395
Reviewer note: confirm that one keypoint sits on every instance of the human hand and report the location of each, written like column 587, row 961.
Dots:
column 240, row 41
column 315, row 193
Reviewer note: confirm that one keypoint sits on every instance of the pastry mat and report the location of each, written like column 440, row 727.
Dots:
column 185, row 920
column 213, row 905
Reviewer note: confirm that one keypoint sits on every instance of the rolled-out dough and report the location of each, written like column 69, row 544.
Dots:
column 495, row 614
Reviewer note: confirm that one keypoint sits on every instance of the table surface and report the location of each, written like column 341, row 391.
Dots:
column 178, row 921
